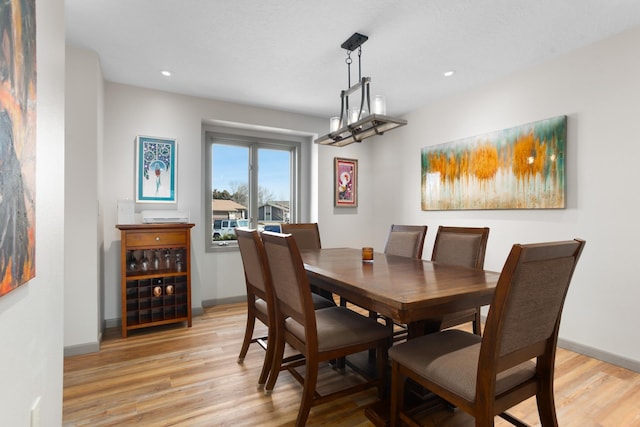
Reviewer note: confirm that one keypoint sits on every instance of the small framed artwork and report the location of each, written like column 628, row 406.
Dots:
column 346, row 183
column 156, row 161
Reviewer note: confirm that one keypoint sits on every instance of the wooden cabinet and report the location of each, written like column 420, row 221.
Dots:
column 155, row 265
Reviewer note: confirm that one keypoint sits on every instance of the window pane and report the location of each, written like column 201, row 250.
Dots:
column 230, row 184
column 252, row 184
column 274, row 188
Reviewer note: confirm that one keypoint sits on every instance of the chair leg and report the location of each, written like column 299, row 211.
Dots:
column 476, row 323
column 397, row 394
column 248, row 334
column 484, row 422
column 310, row 381
column 278, row 353
column 372, row 351
column 383, row 361
column 484, row 415
column 546, row 406
column 268, row 359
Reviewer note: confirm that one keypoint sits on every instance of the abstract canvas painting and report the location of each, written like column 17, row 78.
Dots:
column 517, row 168
column 17, row 143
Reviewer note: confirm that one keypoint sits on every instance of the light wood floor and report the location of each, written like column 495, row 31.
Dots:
column 178, row 376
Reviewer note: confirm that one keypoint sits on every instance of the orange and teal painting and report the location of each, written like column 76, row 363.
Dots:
column 17, row 142
column 517, row 168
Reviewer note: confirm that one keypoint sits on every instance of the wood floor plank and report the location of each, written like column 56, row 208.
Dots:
column 178, row 376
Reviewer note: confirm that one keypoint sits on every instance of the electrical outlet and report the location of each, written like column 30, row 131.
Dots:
column 35, row 413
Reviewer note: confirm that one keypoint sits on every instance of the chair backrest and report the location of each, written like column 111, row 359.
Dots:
column 463, row 246
column 289, row 279
column 524, row 317
column 307, row 235
column 254, row 260
column 406, row 240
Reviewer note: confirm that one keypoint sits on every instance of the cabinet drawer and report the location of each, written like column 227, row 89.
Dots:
column 165, row 238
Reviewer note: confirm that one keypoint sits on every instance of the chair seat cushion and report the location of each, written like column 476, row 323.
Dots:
column 450, row 360
column 321, row 302
column 318, row 303
column 261, row 306
column 340, row 327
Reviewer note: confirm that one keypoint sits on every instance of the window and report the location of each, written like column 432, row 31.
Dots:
column 251, row 182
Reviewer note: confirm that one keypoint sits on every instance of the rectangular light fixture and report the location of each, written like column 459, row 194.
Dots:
column 355, row 124
column 374, row 124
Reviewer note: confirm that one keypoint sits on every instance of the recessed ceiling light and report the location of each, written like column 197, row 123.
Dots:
column 166, row 73
column 449, row 73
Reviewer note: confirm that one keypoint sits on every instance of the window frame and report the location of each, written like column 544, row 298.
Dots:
column 253, row 143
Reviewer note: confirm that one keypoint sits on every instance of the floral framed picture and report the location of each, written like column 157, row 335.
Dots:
column 345, row 183
column 156, row 167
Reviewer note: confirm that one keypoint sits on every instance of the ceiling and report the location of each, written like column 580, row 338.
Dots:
column 286, row 54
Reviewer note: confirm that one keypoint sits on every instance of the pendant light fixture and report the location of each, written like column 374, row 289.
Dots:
column 358, row 122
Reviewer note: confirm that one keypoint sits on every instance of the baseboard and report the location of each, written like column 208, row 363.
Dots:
column 112, row 323
column 75, row 350
column 605, row 356
column 596, row 353
column 220, row 301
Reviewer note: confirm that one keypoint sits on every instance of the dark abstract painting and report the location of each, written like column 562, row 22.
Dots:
column 17, row 142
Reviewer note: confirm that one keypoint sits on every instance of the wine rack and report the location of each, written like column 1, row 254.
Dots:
column 155, row 275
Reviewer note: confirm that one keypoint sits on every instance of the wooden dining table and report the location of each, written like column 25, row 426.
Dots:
column 409, row 291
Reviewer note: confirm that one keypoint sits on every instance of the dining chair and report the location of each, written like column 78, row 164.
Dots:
column 406, row 241
column 307, row 235
column 320, row 335
column 260, row 298
column 464, row 246
column 515, row 357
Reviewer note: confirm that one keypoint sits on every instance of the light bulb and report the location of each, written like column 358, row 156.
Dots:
column 353, row 115
column 334, row 124
column 380, row 105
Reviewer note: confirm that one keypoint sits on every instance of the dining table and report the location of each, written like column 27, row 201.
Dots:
column 409, row 291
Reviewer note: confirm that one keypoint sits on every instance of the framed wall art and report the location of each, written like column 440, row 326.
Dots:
column 18, row 102
column 345, row 183
column 517, row 168
column 156, row 170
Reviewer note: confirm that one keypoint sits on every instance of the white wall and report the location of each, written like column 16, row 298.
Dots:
column 31, row 315
column 340, row 226
column 599, row 89
column 132, row 111
column 83, row 237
